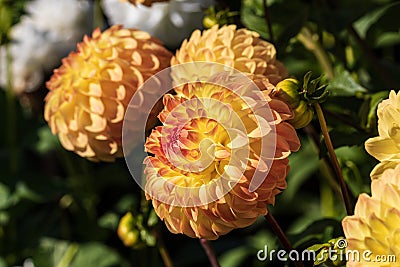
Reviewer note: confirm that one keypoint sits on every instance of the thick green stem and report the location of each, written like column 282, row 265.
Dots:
column 333, row 158
column 210, row 252
column 164, row 254
column 268, row 21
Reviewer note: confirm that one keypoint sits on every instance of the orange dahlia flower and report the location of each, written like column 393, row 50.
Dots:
column 241, row 49
column 207, row 152
column 90, row 92
column 374, row 229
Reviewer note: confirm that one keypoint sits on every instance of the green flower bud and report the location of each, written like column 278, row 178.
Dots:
column 303, row 115
column 127, row 230
column 288, row 90
column 209, row 21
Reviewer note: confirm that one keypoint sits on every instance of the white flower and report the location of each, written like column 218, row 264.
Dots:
column 171, row 21
column 62, row 19
column 47, row 33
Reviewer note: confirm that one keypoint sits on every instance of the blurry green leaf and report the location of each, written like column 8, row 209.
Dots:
column 373, row 105
column 50, row 252
column 303, row 164
column 252, row 16
column 3, row 262
column 126, row 203
column 53, row 252
column 321, row 258
column 287, row 20
column 387, row 22
column 284, row 27
column 4, row 218
column 317, row 247
column 23, row 191
column 344, row 85
column 364, row 23
column 346, row 136
column 318, row 230
column 263, row 238
column 96, row 254
column 336, row 16
column 234, row 257
column 109, row 221
column 47, row 141
column 4, row 196
column 153, row 218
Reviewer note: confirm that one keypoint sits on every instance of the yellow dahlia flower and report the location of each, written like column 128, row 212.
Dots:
column 386, row 146
column 144, row 2
column 208, row 150
column 90, row 92
column 241, row 49
column 374, row 229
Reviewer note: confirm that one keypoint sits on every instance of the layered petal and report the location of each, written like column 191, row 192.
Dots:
column 241, row 49
column 386, row 146
column 375, row 225
column 202, row 174
column 91, row 90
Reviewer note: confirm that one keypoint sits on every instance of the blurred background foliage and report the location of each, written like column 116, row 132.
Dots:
column 57, row 209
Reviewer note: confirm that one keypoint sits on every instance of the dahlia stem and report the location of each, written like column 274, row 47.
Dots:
column 164, row 253
column 326, row 167
column 268, row 21
column 333, row 158
column 276, row 228
column 210, row 252
column 97, row 15
column 310, row 41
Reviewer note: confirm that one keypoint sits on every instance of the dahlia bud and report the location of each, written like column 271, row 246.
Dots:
column 303, row 115
column 289, row 91
column 127, row 230
column 90, row 92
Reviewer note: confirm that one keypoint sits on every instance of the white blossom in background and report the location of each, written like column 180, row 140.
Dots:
column 47, row 33
column 171, row 21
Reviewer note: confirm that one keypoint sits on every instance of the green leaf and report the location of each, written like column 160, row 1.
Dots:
column 388, row 23
column 344, row 85
column 373, row 105
column 4, row 196
column 96, row 254
column 317, row 247
column 234, row 257
column 109, row 221
column 305, row 162
column 47, row 141
column 364, row 23
column 60, row 253
column 321, row 258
